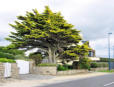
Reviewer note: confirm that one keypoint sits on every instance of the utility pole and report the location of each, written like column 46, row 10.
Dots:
column 109, row 50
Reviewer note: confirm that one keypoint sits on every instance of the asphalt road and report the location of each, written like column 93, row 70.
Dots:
column 99, row 81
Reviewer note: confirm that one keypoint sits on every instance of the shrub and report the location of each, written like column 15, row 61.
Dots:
column 62, row 68
column 84, row 63
column 46, row 64
column 94, row 65
column 4, row 60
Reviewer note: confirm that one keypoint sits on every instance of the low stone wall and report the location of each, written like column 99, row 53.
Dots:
column 98, row 69
column 14, row 71
column 71, row 72
column 45, row 70
column 1, row 71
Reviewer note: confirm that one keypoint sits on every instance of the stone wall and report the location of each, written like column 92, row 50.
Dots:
column 45, row 70
column 1, row 71
column 71, row 72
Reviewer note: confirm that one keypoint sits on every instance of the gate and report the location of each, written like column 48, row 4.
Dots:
column 23, row 66
column 7, row 67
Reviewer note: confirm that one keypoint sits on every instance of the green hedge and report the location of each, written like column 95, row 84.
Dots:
column 94, row 65
column 64, row 67
column 4, row 60
column 106, row 60
column 99, row 64
column 46, row 64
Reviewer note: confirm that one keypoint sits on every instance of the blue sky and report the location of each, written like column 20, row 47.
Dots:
column 94, row 18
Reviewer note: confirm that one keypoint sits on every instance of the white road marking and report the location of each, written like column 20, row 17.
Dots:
column 109, row 84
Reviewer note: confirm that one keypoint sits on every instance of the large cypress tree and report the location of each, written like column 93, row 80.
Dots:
column 47, row 31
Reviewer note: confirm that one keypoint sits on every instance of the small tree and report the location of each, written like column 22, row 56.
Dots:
column 37, row 57
column 47, row 31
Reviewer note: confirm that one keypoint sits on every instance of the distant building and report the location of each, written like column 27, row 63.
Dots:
column 92, row 53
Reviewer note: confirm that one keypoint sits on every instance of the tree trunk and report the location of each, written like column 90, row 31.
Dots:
column 52, row 57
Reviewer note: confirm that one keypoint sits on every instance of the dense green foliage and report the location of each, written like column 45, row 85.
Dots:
column 94, row 65
column 84, row 63
column 64, row 67
column 75, row 52
column 10, row 51
column 6, row 55
column 4, row 60
column 47, row 31
column 5, row 52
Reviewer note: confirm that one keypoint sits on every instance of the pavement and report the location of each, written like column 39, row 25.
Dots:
column 92, row 79
column 97, row 81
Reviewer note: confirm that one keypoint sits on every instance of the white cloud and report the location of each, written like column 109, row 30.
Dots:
column 93, row 17
column 101, row 46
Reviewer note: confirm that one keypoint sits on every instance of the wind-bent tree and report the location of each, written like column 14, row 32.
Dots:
column 47, row 31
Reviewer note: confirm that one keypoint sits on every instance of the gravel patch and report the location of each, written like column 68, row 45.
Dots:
column 35, row 77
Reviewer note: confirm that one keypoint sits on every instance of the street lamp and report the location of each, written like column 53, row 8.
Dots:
column 109, row 50
column 113, row 51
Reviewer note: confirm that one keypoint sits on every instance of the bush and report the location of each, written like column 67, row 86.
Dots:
column 94, row 65
column 46, row 64
column 84, row 63
column 62, row 68
column 4, row 60
column 6, row 55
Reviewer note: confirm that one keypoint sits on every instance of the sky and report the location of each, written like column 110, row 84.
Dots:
column 94, row 18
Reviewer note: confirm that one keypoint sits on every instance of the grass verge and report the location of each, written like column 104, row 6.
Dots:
column 108, row 71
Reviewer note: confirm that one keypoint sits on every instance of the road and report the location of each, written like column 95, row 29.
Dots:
column 99, row 81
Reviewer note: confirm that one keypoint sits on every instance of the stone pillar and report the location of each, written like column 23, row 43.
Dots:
column 31, row 67
column 14, row 71
column 1, row 71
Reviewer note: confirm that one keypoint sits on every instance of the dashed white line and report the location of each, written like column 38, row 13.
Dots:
column 109, row 84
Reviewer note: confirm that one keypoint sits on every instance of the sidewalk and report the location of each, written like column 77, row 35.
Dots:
column 31, row 80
